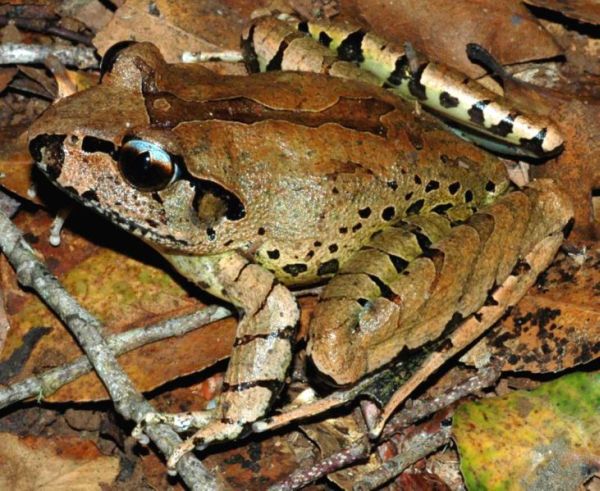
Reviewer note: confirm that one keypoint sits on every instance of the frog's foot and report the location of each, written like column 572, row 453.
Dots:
column 179, row 422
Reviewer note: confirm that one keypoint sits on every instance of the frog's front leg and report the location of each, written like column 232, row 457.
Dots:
column 262, row 349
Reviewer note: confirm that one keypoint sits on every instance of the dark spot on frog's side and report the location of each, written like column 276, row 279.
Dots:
column 364, row 212
column 333, row 248
column 454, row 187
column 388, row 213
column 90, row 195
column 415, row 207
column 295, row 269
column 274, row 254
column 328, row 267
column 441, row 209
column 432, row 186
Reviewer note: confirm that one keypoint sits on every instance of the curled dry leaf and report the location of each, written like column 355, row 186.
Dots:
column 54, row 463
column 426, row 25
column 555, row 327
column 176, row 27
column 581, row 10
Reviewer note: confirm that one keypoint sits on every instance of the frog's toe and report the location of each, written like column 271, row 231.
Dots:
column 216, row 431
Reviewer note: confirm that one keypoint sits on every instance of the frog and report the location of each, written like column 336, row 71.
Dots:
column 253, row 186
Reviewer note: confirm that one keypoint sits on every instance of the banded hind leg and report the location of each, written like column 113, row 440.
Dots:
column 261, row 353
column 347, row 51
column 416, row 279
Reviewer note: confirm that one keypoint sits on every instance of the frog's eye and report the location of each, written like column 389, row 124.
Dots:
column 146, row 166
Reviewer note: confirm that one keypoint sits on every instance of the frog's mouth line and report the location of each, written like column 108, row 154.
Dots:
column 88, row 199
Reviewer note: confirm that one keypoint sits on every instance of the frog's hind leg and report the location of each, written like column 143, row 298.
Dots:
column 346, row 51
column 415, row 280
column 262, row 350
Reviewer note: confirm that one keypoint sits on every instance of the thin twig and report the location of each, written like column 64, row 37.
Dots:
column 46, row 25
column 26, row 54
column 87, row 330
column 412, row 412
column 414, row 448
column 303, row 477
column 415, row 410
column 46, row 383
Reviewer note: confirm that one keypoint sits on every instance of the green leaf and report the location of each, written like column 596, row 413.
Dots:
column 548, row 438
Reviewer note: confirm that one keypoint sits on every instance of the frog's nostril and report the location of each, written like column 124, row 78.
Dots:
column 47, row 151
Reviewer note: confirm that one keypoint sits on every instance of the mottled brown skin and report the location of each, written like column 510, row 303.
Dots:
column 303, row 184
column 293, row 179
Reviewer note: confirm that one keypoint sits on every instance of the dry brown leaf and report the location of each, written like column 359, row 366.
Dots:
column 93, row 13
column 555, row 327
column 442, row 29
column 54, row 464
column 124, row 292
column 176, row 27
column 577, row 170
column 6, row 76
column 582, row 10
column 16, row 163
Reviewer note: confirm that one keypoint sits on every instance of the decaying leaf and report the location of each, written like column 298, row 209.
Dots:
column 176, row 27
column 582, row 10
column 555, row 327
column 54, row 464
column 426, row 25
column 548, row 438
column 123, row 292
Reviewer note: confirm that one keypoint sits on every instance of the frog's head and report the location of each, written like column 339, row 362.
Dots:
column 102, row 147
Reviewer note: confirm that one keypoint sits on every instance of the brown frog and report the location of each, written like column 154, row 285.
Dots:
column 250, row 185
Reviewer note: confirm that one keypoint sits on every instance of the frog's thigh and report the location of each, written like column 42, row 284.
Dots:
column 262, row 349
column 383, row 284
column 414, row 280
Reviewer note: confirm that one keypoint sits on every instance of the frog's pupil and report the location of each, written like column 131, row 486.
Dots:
column 145, row 165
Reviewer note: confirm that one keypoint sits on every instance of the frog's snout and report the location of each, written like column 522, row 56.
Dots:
column 48, row 153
